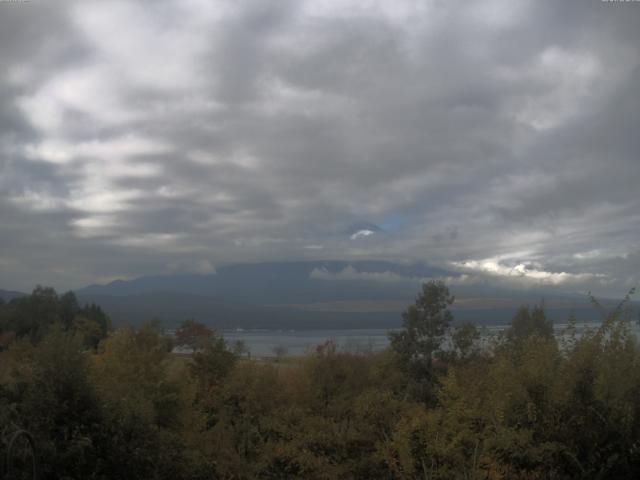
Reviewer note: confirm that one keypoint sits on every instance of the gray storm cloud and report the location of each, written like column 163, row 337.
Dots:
column 137, row 137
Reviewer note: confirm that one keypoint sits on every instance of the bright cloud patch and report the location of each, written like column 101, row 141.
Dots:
column 361, row 234
column 527, row 273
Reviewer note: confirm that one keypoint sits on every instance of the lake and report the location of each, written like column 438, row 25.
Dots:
column 261, row 343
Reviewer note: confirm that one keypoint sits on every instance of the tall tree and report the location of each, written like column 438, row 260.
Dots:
column 425, row 325
column 529, row 322
column 68, row 309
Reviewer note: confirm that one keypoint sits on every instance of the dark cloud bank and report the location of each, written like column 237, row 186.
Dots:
column 496, row 139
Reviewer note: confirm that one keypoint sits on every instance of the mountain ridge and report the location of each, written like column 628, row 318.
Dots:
column 311, row 295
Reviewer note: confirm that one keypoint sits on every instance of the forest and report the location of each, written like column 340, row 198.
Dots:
column 441, row 402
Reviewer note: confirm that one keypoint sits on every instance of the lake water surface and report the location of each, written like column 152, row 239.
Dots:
column 262, row 343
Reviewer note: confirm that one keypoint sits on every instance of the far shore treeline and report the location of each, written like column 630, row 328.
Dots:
column 105, row 403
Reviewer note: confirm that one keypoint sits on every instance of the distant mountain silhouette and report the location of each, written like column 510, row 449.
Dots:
column 287, row 282
column 312, row 294
column 7, row 295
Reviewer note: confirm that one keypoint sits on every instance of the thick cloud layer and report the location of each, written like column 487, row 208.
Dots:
column 498, row 138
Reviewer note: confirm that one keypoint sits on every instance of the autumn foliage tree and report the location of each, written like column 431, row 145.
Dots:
column 193, row 334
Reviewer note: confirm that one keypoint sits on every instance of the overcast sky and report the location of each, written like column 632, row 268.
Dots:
column 496, row 138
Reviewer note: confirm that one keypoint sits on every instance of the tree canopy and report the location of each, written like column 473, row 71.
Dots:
column 436, row 404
